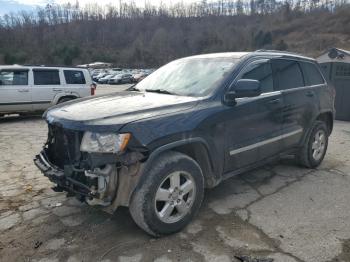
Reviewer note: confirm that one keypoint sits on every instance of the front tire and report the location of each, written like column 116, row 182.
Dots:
column 169, row 196
column 312, row 153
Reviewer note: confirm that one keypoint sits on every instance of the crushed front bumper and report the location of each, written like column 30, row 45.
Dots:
column 57, row 176
column 113, row 185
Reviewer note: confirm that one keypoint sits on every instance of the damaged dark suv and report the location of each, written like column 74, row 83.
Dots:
column 188, row 126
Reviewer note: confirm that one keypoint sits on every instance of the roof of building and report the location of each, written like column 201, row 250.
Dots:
column 334, row 55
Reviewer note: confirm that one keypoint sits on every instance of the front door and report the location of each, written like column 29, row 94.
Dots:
column 15, row 92
column 253, row 131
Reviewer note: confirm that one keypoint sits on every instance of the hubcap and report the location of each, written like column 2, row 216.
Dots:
column 174, row 197
column 319, row 145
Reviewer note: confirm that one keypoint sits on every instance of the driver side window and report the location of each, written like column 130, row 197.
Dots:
column 263, row 73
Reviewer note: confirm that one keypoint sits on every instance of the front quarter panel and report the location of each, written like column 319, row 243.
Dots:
column 200, row 123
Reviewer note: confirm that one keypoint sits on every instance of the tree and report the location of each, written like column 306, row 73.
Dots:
column 262, row 39
column 239, row 7
column 281, row 45
column 128, row 35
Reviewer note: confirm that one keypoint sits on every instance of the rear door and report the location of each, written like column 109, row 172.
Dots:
column 15, row 92
column 46, row 86
column 253, row 131
column 300, row 100
column 76, row 82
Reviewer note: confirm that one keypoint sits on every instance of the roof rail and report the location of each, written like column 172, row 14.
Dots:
column 59, row 66
column 278, row 51
column 32, row 65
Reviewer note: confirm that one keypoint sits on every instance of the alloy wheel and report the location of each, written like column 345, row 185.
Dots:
column 175, row 196
column 319, row 145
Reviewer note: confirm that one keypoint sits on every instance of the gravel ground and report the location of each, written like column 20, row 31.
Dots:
column 105, row 89
column 281, row 211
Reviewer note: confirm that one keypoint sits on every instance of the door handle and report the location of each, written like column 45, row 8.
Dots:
column 274, row 101
column 23, row 90
column 57, row 90
column 310, row 93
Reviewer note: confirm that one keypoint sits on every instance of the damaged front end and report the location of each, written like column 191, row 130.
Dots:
column 105, row 179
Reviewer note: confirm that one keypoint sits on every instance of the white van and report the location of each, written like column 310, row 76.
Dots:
column 35, row 88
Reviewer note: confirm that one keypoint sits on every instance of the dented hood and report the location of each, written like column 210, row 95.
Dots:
column 112, row 111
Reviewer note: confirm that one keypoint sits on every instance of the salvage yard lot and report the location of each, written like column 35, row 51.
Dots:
column 105, row 89
column 279, row 211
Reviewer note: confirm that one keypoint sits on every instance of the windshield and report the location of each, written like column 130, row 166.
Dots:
column 188, row 77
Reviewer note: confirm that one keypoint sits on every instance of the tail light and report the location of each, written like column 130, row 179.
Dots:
column 93, row 88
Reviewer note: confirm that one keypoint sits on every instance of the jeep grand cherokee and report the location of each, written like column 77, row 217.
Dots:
column 188, row 126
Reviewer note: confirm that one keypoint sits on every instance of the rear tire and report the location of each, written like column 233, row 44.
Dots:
column 169, row 196
column 315, row 147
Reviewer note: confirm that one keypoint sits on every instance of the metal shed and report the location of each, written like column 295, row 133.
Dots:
column 335, row 64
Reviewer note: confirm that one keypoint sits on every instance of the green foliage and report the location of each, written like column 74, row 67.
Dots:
column 65, row 53
column 13, row 57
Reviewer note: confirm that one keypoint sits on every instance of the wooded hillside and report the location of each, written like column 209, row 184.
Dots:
column 133, row 37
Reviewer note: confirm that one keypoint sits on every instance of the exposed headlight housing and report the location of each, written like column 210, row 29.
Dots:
column 104, row 142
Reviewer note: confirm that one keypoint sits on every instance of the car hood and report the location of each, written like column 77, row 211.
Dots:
column 112, row 111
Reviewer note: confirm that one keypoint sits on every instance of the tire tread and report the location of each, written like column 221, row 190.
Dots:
column 138, row 201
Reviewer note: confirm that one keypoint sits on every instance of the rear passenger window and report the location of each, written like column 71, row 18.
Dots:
column 14, row 77
column 288, row 74
column 263, row 73
column 312, row 74
column 46, row 77
column 74, row 77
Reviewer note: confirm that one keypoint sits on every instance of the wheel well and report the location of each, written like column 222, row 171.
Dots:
column 200, row 154
column 64, row 97
column 328, row 119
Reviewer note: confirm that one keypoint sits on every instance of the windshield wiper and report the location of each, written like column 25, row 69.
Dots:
column 160, row 91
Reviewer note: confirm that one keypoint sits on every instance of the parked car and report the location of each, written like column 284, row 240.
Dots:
column 116, row 76
column 26, row 89
column 139, row 76
column 98, row 76
column 121, row 79
column 94, row 73
column 105, row 79
column 188, row 126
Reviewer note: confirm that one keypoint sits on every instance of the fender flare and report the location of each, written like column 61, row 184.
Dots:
column 166, row 147
column 142, row 172
column 174, row 144
column 58, row 96
column 306, row 134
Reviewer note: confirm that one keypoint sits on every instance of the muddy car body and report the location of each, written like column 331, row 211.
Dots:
column 156, row 146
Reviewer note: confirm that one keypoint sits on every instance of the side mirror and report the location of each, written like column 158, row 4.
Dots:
column 243, row 88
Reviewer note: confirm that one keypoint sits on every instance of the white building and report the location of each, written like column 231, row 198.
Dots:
column 96, row 65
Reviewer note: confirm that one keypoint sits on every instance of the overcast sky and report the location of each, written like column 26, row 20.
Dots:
column 7, row 6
